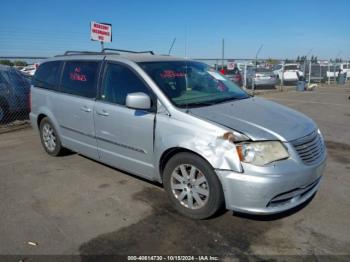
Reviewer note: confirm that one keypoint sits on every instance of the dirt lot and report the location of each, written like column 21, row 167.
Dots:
column 73, row 205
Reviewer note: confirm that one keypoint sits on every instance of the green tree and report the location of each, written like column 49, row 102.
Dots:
column 20, row 63
column 272, row 61
column 6, row 62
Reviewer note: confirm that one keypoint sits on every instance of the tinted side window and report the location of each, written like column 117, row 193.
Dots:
column 80, row 78
column 47, row 75
column 120, row 81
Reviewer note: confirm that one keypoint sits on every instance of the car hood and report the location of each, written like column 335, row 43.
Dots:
column 259, row 119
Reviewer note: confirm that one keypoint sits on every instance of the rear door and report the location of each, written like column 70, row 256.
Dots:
column 74, row 106
column 124, row 135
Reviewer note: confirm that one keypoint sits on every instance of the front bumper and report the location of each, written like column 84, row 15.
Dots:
column 271, row 189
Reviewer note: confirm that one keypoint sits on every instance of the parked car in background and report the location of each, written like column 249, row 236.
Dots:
column 289, row 73
column 14, row 92
column 178, row 122
column 29, row 70
column 234, row 75
column 262, row 77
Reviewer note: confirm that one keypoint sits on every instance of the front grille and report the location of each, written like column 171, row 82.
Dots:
column 310, row 148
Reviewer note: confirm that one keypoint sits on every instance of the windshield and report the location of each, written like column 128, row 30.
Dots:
column 190, row 84
column 291, row 67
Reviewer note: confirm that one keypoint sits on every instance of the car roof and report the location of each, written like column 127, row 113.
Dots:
column 135, row 57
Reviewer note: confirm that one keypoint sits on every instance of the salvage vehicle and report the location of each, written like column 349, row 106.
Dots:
column 289, row 73
column 180, row 123
column 261, row 77
column 234, row 75
column 14, row 93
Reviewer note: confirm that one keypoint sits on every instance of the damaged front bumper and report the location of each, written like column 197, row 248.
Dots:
column 270, row 189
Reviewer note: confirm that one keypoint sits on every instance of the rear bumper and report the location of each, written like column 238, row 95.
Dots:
column 33, row 121
column 266, row 82
column 273, row 189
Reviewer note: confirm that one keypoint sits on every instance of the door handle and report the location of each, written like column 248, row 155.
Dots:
column 85, row 109
column 102, row 113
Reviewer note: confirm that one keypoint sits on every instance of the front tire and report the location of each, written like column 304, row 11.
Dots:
column 192, row 186
column 50, row 139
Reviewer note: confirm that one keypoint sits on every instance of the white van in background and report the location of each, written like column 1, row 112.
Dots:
column 344, row 67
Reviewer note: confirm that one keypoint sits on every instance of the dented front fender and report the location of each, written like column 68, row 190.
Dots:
column 199, row 136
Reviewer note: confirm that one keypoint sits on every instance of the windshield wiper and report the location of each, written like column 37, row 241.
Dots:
column 197, row 104
column 226, row 99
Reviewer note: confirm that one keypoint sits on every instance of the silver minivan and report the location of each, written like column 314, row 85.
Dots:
column 178, row 122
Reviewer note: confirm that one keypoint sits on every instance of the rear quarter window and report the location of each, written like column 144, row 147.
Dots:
column 47, row 75
column 80, row 78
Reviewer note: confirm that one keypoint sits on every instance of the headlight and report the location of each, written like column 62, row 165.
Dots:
column 261, row 153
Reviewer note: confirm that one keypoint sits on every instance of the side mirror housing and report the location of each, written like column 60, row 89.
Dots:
column 138, row 101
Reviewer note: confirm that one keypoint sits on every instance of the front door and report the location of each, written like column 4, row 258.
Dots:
column 124, row 135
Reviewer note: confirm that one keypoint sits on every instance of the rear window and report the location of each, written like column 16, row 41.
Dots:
column 80, row 78
column 47, row 75
column 263, row 70
column 291, row 67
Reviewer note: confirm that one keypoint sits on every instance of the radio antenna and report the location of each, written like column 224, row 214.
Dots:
column 171, row 47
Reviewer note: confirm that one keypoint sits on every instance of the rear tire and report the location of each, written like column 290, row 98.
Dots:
column 192, row 186
column 50, row 139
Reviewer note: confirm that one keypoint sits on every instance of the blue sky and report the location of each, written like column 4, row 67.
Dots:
column 285, row 28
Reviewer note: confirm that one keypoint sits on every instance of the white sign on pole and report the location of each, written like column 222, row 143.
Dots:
column 230, row 65
column 101, row 32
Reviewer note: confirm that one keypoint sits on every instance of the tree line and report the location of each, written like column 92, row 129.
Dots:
column 14, row 63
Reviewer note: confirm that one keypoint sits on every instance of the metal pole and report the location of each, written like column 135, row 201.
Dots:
column 256, row 55
column 321, row 74
column 310, row 66
column 172, row 45
column 102, row 46
column 329, row 72
column 282, row 77
column 253, row 84
column 334, row 73
column 245, row 75
column 223, row 53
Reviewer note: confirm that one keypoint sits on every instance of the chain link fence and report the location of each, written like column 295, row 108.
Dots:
column 14, row 98
column 254, row 72
column 250, row 74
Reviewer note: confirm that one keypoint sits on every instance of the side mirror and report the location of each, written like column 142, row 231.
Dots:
column 138, row 101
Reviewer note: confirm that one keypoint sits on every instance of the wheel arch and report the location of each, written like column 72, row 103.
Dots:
column 42, row 113
column 171, row 152
column 39, row 119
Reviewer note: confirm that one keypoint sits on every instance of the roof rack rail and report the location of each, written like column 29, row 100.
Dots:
column 81, row 52
column 114, row 51
column 126, row 51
